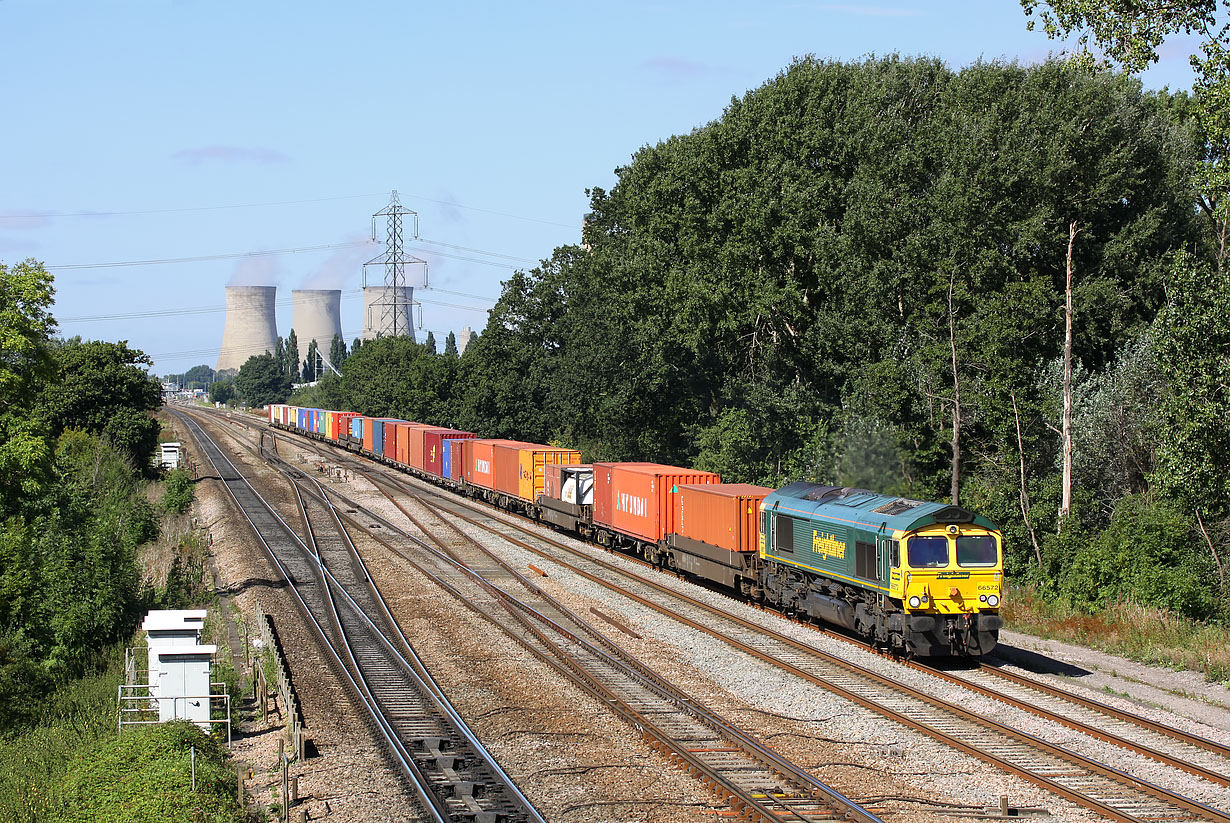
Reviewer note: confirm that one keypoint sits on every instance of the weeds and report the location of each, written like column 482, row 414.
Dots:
column 1139, row 633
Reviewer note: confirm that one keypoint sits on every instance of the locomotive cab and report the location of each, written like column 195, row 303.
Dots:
column 950, row 583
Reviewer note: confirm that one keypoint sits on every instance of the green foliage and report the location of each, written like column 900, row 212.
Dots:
column 187, row 585
column 145, row 775
column 291, row 364
column 311, row 363
column 1146, row 556
column 450, row 345
column 337, row 351
column 326, row 394
column 1193, row 349
column 34, row 759
column 396, row 377
column 430, row 342
column 68, row 570
column 1130, row 33
column 102, row 388
column 261, row 381
column 177, row 491
column 26, row 325
column 223, row 391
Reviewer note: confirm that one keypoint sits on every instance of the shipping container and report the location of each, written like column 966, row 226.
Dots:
column 519, row 468
column 357, row 425
column 452, row 465
column 415, row 448
column 638, row 499
column 432, row 444
column 725, row 515
column 384, row 428
column 330, row 424
column 373, row 434
column 479, row 469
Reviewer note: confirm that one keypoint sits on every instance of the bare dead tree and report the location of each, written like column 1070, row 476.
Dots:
column 1065, row 506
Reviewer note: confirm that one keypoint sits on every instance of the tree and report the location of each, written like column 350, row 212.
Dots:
column 104, row 388
column 337, row 351
column 430, row 342
column 222, row 391
column 1129, row 33
column 291, row 366
column 311, row 363
column 394, row 376
column 261, row 381
column 354, row 346
column 1192, row 340
column 197, row 377
column 26, row 325
column 450, row 345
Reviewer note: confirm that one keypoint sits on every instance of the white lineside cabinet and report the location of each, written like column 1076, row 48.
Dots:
column 170, row 627
column 169, row 456
column 183, row 693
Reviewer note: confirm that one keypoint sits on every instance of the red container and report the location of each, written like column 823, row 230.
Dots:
column 390, row 438
column 433, row 447
column 638, row 499
column 726, row 515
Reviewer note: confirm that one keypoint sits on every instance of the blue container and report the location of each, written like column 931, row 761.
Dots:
column 318, row 421
column 356, row 429
column 301, row 421
column 378, row 436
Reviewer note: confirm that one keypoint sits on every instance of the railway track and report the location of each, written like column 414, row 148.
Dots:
column 756, row 782
column 1109, row 791
column 1116, row 794
column 450, row 771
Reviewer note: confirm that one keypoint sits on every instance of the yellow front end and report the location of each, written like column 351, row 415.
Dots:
column 951, row 569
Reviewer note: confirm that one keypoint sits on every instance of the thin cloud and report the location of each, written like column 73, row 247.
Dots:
column 871, row 11
column 230, row 154
column 675, row 66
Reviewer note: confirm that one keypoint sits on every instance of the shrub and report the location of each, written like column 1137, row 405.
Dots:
column 178, row 492
column 144, row 775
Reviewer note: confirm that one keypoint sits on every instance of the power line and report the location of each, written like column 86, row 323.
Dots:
column 347, row 294
column 203, row 258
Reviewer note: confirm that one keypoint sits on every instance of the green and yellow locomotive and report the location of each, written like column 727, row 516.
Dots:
column 916, row 578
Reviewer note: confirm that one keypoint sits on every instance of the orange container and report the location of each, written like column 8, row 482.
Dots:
column 416, row 445
column 402, row 448
column 520, row 468
column 725, row 515
column 638, row 499
column 479, row 462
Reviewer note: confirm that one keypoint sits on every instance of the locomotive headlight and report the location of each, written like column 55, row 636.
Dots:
column 982, row 597
column 915, row 602
column 993, row 600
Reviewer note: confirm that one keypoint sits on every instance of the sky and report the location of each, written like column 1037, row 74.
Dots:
column 188, row 140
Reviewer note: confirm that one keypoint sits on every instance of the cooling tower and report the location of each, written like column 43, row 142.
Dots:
column 376, row 306
column 251, row 327
column 317, row 316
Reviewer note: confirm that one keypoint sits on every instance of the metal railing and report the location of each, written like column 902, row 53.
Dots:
column 137, row 707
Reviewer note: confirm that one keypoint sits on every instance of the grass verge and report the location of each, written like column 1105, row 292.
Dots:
column 1135, row 632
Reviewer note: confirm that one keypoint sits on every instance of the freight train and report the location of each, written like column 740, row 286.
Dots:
column 911, row 577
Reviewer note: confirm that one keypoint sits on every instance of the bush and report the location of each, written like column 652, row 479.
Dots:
column 1149, row 556
column 178, row 492
column 145, row 775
